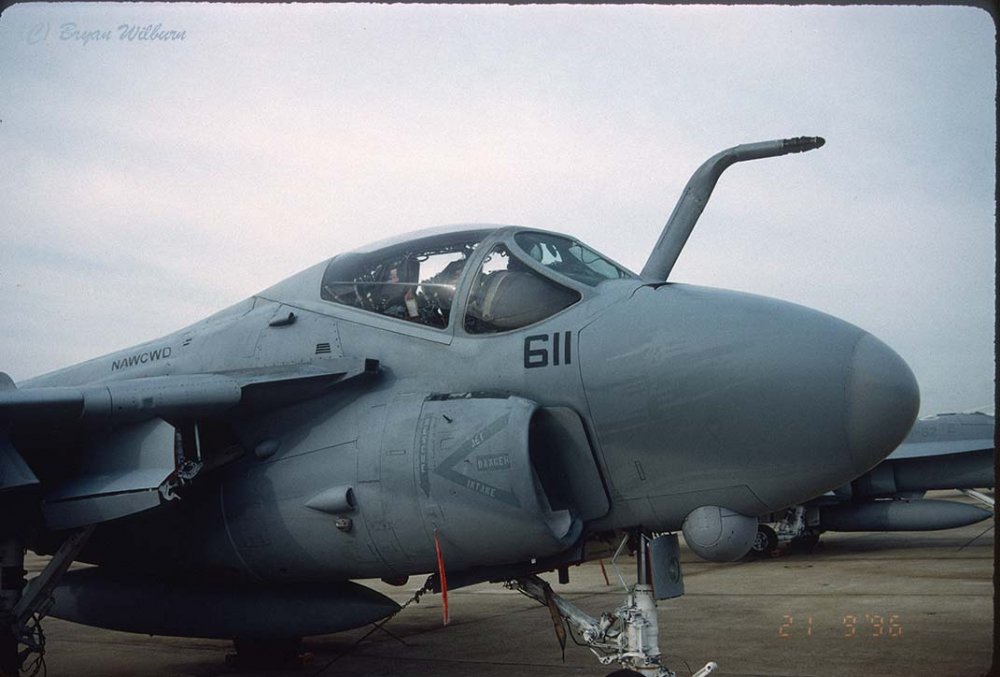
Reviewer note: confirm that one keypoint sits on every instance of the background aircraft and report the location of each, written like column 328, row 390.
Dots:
column 486, row 401
column 946, row 451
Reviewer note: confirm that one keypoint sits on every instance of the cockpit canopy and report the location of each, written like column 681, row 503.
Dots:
column 525, row 277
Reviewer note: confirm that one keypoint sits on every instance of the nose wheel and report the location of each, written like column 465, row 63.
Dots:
column 255, row 654
column 704, row 672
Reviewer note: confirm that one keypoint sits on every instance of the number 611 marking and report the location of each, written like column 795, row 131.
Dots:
column 540, row 352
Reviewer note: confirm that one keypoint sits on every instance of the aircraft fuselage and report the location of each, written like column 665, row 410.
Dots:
column 631, row 407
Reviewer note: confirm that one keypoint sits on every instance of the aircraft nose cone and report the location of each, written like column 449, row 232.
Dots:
column 882, row 402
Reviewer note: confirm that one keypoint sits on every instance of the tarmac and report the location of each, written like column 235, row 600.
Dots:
column 860, row 604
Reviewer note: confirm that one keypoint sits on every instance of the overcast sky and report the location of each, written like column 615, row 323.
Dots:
column 146, row 183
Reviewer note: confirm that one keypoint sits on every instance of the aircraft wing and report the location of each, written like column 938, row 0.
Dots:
column 947, row 434
column 941, row 448
column 174, row 396
column 128, row 453
column 947, row 451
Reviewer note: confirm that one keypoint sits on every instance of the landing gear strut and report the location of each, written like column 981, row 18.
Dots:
column 798, row 528
column 23, row 605
column 628, row 636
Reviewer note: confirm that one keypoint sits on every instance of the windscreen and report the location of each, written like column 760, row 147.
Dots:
column 508, row 295
column 570, row 258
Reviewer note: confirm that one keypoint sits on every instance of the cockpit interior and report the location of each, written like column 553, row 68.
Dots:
column 523, row 278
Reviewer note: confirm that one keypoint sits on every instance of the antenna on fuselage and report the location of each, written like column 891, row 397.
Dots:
column 697, row 191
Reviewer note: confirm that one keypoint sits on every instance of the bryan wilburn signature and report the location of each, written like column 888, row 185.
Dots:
column 124, row 32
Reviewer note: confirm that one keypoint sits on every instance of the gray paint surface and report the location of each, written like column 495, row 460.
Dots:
column 677, row 397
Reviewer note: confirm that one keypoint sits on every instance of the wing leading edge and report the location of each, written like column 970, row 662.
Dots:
column 134, row 456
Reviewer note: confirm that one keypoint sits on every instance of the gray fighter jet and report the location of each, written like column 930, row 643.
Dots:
column 478, row 403
column 946, row 451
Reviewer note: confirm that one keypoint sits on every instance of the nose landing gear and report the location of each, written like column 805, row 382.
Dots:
column 629, row 635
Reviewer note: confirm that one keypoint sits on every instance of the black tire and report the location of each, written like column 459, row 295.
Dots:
column 805, row 543
column 765, row 542
column 254, row 654
column 624, row 673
